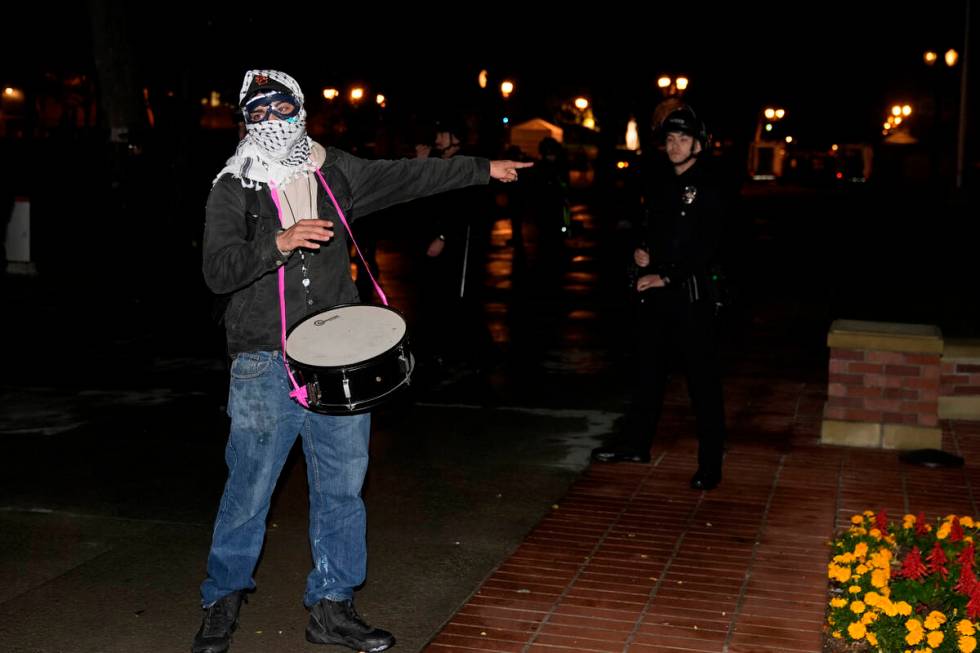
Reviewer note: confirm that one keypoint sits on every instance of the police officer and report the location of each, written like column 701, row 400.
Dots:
column 680, row 241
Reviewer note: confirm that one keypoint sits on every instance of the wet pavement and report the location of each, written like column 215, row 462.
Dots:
column 487, row 528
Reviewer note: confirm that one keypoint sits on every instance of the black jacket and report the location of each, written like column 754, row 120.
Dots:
column 247, row 268
column 684, row 223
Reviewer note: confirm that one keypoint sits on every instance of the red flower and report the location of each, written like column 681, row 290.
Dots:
column 973, row 607
column 913, row 568
column 937, row 561
column 967, row 581
column 955, row 531
column 966, row 556
column 920, row 524
column 881, row 522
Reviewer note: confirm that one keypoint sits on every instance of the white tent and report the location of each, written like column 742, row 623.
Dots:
column 528, row 134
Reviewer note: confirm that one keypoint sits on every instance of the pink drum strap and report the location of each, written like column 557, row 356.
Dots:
column 367, row 268
column 298, row 393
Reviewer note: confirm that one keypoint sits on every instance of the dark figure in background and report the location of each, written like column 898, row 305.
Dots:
column 456, row 230
column 675, row 251
column 548, row 207
column 267, row 210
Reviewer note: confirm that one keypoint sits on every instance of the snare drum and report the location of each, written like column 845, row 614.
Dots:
column 351, row 358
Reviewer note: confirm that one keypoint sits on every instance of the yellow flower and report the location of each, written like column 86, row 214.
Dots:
column 965, row 627
column 856, row 630
column 967, row 522
column 854, row 589
column 886, row 592
column 879, row 577
column 967, row 644
column 870, row 636
column 914, row 637
column 935, row 638
column 913, row 625
column 838, row 603
column 861, row 549
column 872, row 598
column 903, row 609
column 936, row 617
column 857, row 519
column 875, row 533
column 869, row 617
column 861, row 570
column 943, row 531
column 857, row 607
column 908, row 524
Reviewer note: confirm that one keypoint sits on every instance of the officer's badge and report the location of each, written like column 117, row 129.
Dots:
column 690, row 192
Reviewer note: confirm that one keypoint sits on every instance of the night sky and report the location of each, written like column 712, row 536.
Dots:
column 835, row 68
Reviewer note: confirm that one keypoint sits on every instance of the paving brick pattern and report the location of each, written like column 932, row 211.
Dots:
column 631, row 560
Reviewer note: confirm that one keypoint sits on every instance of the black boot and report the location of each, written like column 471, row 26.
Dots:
column 220, row 621
column 706, row 478
column 336, row 622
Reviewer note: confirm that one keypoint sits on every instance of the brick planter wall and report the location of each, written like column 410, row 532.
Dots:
column 883, row 385
column 959, row 380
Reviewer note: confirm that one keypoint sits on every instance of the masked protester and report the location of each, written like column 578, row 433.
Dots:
column 269, row 209
column 676, row 249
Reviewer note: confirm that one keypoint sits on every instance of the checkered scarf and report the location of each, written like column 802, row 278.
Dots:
column 274, row 151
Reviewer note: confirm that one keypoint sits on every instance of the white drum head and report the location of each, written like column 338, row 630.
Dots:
column 345, row 335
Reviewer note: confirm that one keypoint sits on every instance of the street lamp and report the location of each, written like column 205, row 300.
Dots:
column 356, row 94
column 581, row 103
column 506, row 88
column 673, row 85
column 330, row 93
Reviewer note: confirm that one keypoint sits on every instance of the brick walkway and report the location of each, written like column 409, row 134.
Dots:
column 632, row 560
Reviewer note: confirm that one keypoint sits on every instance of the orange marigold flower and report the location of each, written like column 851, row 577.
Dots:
column 967, row 644
column 861, row 549
column 879, row 578
column 943, row 531
column 857, row 607
column 967, row 522
column 870, row 636
column 914, row 637
column 856, row 630
column 903, row 609
column 935, row 638
column 857, row 519
column 965, row 627
column 838, row 603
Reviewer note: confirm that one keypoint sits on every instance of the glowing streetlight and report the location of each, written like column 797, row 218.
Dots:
column 356, row 94
column 834, row 147
column 581, row 103
column 632, row 135
column 897, row 110
column 768, row 126
column 780, row 113
column 330, row 93
column 483, row 78
column 951, row 57
column 506, row 88
column 930, row 57
column 664, row 82
column 769, row 113
column 681, row 83
column 380, row 99
column 789, row 139
column 906, row 110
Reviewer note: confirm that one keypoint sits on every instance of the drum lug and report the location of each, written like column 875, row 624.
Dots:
column 346, row 384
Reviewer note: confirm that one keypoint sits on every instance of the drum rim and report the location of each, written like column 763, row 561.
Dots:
column 352, row 366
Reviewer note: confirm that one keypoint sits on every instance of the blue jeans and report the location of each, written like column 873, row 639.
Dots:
column 264, row 426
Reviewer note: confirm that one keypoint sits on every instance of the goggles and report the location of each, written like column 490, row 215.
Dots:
column 281, row 105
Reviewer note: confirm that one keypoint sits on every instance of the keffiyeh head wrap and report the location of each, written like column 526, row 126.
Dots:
column 275, row 151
